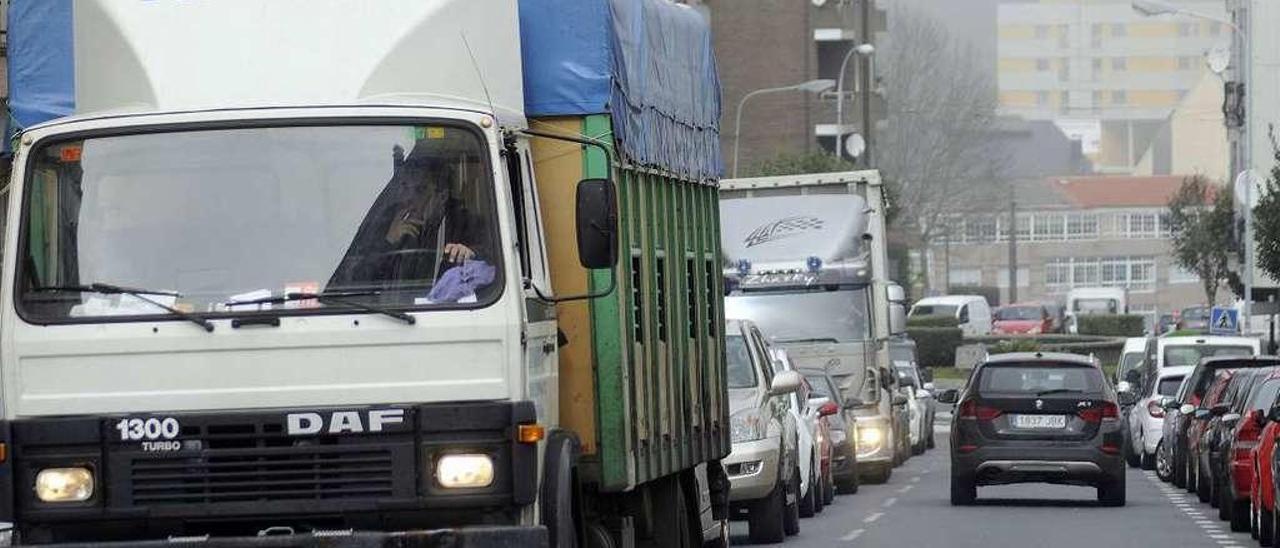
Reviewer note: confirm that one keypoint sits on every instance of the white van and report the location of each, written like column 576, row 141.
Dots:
column 972, row 311
column 1094, row 300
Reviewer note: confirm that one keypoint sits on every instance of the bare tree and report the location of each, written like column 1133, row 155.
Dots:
column 938, row 152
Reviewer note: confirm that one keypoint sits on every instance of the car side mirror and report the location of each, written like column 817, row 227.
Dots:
column 899, row 399
column 1273, row 414
column 1186, row 409
column 1230, row 418
column 1201, row 414
column 852, row 403
column 929, row 386
column 897, row 319
column 1219, row 410
column 828, row 409
column 597, row 218
column 1127, row 398
column 949, row 395
column 1124, row 387
column 785, row 382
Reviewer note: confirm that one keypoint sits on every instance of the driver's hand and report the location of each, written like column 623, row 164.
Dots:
column 458, row 253
column 401, row 228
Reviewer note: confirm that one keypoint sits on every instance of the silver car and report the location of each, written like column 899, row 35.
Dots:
column 1146, row 417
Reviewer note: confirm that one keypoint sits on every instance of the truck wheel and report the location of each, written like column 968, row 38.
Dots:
column 673, row 524
column 791, row 515
column 557, row 494
column 764, row 519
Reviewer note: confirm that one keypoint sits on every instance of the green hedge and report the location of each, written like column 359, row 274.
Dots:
column 1014, row 345
column 935, row 320
column 1111, row 325
column 936, row 346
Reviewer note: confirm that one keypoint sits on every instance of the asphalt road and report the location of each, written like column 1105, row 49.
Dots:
column 913, row 510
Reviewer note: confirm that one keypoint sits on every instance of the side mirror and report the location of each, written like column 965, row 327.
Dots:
column 899, row 399
column 597, row 218
column 896, row 293
column 1219, row 410
column 1124, row 387
column 949, row 395
column 1201, row 414
column 1127, row 398
column 1168, row 403
column 852, row 403
column 1230, row 418
column 897, row 319
column 1186, row 409
column 828, row 409
column 928, row 386
column 785, row 382
column 1273, row 414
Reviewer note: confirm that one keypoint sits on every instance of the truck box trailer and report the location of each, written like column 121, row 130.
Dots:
column 443, row 270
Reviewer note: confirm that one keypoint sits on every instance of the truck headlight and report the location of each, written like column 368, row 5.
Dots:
column 64, row 484
column 464, row 471
column 746, row 425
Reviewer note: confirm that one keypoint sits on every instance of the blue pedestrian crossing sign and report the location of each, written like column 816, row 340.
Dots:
column 1224, row 321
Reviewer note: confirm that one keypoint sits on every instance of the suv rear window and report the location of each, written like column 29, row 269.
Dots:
column 741, row 373
column 1036, row 379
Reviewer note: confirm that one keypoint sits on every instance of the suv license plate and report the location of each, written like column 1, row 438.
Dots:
column 1039, row 421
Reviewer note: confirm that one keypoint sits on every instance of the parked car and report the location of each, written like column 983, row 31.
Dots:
column 1084, row 301
column 921, row 403
column 826, row 408
column 1036, row 418
column 1242, row 427
column 1146, row 419
column 1217, row 444
column 901, row 417
column 1178, row 418
column 843, row 428
column 806, row 418
column 763, row 468
column 1022, row 319
column 1263, row 478
column 1194, row 318
column 1166, row 323
column 972, row 311
column 1129, row 379
column 1057, row 315
column 1200, row 425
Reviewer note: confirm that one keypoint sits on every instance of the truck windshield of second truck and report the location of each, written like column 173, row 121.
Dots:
column 403, row 213
column 813, row 316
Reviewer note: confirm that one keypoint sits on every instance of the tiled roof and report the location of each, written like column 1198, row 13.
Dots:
column 1117, row 191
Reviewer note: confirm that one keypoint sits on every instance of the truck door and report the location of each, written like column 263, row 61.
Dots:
column 540, row 334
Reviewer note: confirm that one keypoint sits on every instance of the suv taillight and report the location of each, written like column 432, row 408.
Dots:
column 970, row 409
column 1154, row 409
column 1095, row 414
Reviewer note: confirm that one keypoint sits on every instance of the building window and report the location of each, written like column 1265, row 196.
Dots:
column 1133, row 273
column 980, row 230
column 1119, row 97
column 1139, row 226
column 1048, row 227
column 1042, row 32
column 1119, row 63
column 965, row 277
column 1118, row 29
column 1082, row 226
column 1179, row 275
column 1095, row 35
column 1042, row 64
column 1057, row 273
column 1042, row 98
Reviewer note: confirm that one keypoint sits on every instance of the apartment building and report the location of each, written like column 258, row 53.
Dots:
column 801, row 41
column 1107, row 74
column 1072, row 232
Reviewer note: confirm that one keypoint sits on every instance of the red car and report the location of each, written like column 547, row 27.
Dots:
column 1203, row 483
column 1261, row 495
column 1022, row 319
column 825, row 450
column 1244, row 439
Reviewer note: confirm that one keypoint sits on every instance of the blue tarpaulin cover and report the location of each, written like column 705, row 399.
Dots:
column 41, row 70
column 647, row 63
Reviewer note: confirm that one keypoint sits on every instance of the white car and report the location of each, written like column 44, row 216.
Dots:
column 806, row 417
column 1146, row 419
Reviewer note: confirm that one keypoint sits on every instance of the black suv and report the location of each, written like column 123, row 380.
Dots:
column 1036, row 418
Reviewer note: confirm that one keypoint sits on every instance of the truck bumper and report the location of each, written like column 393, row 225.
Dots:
column 467, row 537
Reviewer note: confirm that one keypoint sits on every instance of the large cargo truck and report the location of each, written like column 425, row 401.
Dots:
column 807, row 261
column 437, row 272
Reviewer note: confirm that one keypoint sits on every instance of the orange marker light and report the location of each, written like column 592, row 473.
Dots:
column 70, row 153
column 4, row 452
column 530, row 433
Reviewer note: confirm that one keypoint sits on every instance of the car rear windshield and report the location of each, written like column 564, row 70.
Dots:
column 1179, row 356
column 1169, row 386
column 741, row 374
column 1038, row 379
column 934, row 310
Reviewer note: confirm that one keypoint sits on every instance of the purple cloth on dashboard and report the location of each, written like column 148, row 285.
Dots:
column 462, row 280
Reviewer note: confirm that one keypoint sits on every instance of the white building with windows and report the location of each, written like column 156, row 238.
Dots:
column 1092, row 231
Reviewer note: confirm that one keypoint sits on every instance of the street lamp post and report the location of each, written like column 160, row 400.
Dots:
column 1162, row 7
column 812, row 86
column 864, row 50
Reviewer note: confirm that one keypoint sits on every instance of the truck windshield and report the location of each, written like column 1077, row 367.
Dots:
column 1097, row 306
column 814, row 316
column 402, row 216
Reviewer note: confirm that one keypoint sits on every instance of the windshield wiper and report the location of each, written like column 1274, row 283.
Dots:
column 137, row 293
column 1058, row 391
column 334, row 297
column 808, row 340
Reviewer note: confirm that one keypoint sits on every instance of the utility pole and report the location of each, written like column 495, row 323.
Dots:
column 1013, row 252
column 868, row 80
column 946, row 259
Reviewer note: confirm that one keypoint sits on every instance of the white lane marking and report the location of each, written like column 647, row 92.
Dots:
column 890, row 502
column 905, row 488
column 852, row 535
column 915, row 479
column 873, row 517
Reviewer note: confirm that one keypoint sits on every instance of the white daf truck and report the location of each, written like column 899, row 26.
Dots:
column 806, row 259
column 347, row 273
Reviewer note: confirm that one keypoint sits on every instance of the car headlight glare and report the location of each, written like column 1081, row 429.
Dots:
column 747, row 425
column 464, row 471
column 64, row 484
